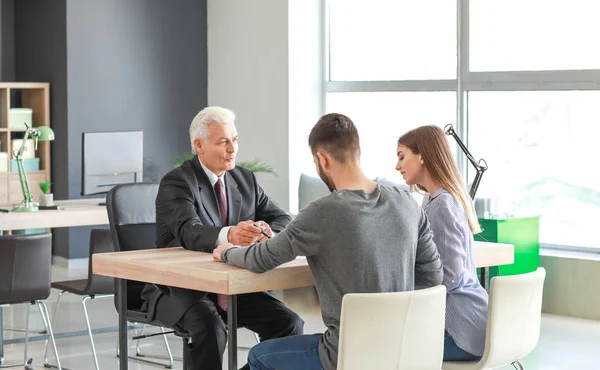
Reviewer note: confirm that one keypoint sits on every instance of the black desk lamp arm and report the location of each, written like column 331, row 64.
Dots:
column 480, row 165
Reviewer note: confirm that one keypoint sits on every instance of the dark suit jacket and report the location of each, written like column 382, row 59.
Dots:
column 187, row 215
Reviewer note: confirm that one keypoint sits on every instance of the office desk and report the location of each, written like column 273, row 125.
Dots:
column 76, row 212
column 488, row 254
column 196, row 270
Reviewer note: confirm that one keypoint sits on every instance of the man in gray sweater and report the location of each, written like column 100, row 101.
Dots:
column 362, row 238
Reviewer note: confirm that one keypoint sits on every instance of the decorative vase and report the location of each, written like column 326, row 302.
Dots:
column 46, row 200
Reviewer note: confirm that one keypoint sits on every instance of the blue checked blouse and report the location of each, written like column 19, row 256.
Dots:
column 466, row 301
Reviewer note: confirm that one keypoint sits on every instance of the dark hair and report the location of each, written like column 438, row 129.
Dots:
column 336, row 135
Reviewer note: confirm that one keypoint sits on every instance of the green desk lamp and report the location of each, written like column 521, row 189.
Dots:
column 42, row 133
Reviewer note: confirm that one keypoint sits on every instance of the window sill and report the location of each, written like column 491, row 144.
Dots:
column 570, row 254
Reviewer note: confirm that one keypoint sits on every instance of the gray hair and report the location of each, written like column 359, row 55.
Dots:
column 199, row 125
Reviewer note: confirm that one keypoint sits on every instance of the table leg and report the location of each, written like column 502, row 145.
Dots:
column 122, row 306
column 1, row 335
column 183, row 360
column 232, row 331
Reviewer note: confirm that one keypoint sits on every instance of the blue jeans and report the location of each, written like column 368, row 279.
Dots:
column 452, row 352
column 300, row 352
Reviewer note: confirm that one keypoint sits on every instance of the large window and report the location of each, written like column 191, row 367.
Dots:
column 382, row 117
column 540, row 147
column 392, row 40
column 520, row 81
column 517, row 35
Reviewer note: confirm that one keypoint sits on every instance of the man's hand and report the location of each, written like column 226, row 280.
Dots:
column 244, row 234
column 266, row 228
column 218, row 251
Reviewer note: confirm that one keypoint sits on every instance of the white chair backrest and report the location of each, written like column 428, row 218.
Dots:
column 393, row 331
column 514, row 315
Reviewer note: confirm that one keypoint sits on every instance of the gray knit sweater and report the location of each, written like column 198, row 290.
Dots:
column 354, row 242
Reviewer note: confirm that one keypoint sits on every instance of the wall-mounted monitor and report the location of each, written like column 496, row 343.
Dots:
column 109, row 159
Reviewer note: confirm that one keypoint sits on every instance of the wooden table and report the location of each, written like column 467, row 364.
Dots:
column 76, row 212
column 489, row 254
column 196, row 270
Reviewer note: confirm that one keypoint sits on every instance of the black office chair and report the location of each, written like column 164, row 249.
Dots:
column 25, row 266
column 132, row 218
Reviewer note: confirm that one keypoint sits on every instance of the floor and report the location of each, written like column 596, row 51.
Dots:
column 565, row 343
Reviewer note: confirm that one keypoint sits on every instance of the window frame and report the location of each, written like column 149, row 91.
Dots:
column 466, row 81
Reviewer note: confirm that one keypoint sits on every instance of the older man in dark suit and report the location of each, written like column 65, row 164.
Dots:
column 206, row 202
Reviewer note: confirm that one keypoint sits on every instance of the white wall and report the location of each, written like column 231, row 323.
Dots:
column 571, row 286
column 306, row 83
column 264, row 64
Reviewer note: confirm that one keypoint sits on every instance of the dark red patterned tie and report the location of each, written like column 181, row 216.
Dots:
column 220, row 193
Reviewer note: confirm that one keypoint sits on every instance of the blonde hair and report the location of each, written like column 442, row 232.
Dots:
column 431, row 143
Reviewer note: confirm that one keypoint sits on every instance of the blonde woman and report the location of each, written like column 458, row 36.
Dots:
column 426, row 163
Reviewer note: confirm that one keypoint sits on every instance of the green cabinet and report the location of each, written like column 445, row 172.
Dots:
column 523, row 233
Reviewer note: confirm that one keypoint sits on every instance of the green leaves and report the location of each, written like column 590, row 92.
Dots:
column 45, row 186
column 255, row 166
column 179, row 160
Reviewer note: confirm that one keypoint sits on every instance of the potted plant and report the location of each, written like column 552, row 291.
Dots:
column 257, row 166
column 46, row 198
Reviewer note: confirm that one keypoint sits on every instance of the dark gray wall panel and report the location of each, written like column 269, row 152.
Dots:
column 41, row 56
column 114, row 65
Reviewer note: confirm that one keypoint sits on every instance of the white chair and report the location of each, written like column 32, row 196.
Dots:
column 393, row 331
column 513, row 325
